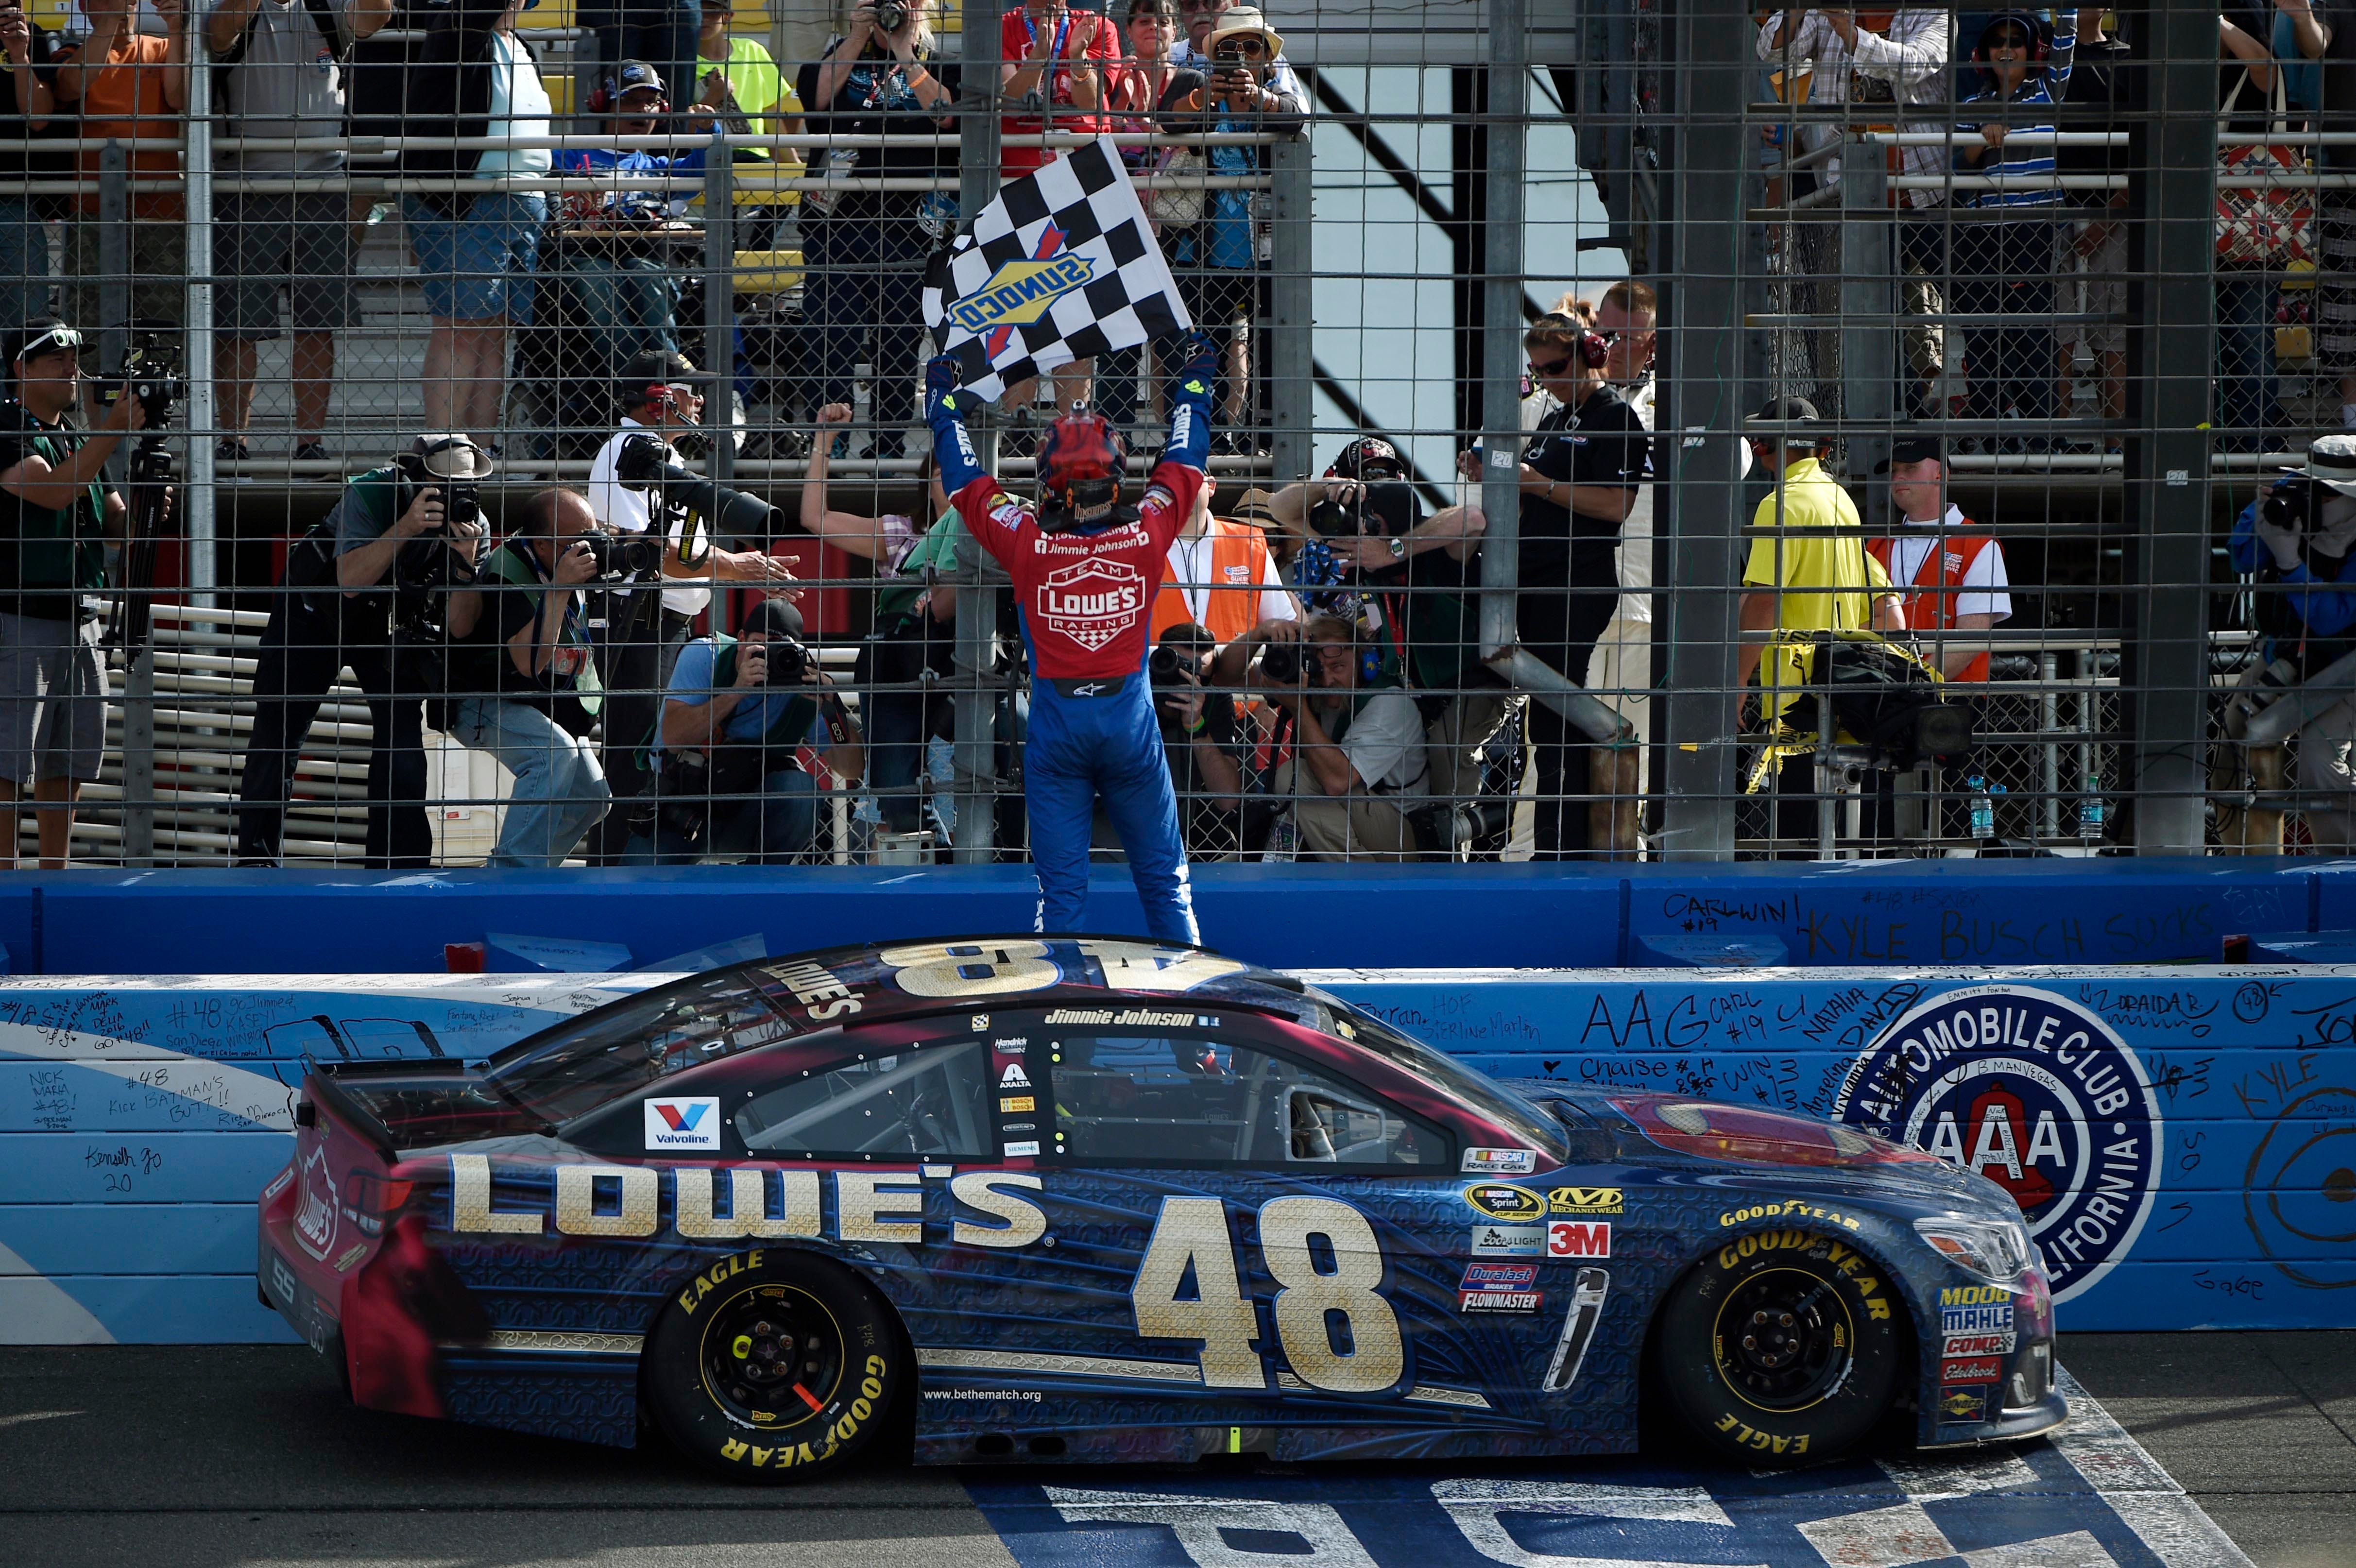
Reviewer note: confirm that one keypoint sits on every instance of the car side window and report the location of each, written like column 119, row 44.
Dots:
column 1195, row 1100
column 926, row 1099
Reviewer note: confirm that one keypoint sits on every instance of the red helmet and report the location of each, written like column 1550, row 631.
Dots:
column 1081, row 464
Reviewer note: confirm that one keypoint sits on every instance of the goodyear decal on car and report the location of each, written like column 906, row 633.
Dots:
column 1975, row 1309
column 1847, row 1259
column 1788, row 1208
column 1585, row 1201
column 1504, row 1200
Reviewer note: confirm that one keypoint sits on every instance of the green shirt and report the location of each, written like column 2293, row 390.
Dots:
column 934, row 555
column 50, row 558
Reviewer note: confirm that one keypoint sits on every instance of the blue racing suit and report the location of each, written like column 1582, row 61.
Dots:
column 1086, row 602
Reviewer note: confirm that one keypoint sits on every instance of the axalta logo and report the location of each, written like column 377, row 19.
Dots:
column 2037, row 1094
column 1092, row 602
column 691, row 1123
column 1022, row 292
column 1015, row 1077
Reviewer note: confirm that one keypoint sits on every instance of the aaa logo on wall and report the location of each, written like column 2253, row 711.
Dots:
column 2037, row 1095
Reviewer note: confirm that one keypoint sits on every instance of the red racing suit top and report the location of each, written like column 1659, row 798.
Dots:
column 1086, row 599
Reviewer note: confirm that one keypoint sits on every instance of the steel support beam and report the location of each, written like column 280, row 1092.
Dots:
column 2171, row 194
column 975, row 651
column 1291, row 361
column 1869, row 299
column 1698, row 495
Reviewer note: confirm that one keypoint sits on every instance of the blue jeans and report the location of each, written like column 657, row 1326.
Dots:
column 24, row 262
column 659, row 32
column 768, row 829
column 559, row 792
column 1079, row 749
column 896, row 731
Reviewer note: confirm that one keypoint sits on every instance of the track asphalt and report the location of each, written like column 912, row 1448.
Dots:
column 2196, row 1451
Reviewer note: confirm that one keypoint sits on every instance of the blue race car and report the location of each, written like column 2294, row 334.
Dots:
column 1095, row 1200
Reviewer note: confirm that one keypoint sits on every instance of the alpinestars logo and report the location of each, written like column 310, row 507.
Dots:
column 683, row 1124
column 1092, row 602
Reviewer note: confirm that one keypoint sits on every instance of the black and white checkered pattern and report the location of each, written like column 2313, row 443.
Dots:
column 1086, row 198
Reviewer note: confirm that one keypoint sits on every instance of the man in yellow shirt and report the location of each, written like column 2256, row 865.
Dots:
column 1808, row 571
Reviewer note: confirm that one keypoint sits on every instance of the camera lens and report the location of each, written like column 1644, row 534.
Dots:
column 1281, row 663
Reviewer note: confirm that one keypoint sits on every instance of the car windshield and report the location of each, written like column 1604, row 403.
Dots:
column 1479, row 1091
column 574, row 1068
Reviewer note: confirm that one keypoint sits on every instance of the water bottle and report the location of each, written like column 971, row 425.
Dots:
column 1983, row 809
column 2090, row 809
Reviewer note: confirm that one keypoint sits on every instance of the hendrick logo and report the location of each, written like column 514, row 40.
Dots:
column 2034, row 1093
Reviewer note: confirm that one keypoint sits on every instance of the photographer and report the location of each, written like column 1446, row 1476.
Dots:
column 2299, row 541
column 56, row 514
column 725, row 749
column 661, row 393
column 533, row 687
column 1200, row 729
column 397, row 539
column 1358, row 760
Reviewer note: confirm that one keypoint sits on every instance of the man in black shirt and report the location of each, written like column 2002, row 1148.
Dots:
column 54, row 517
column 26, row 106
column 1580, row 475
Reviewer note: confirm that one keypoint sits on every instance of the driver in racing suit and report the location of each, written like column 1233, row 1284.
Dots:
column 1086, row 569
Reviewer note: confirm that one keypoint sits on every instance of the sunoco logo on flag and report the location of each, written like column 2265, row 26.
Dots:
column 1062, row 266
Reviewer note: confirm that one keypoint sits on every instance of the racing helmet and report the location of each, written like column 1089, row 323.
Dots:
column 1081, row 465
column 1368, row 457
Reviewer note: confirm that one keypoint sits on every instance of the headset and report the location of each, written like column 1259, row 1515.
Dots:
column 1592, row 348
column 607, row 96
column 2041, row 39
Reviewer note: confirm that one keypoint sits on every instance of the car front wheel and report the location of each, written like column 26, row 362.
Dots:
column 1783, row 1348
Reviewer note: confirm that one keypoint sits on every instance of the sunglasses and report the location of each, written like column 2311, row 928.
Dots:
column 55, row 340
column 1242, row 49
column 1551, row 366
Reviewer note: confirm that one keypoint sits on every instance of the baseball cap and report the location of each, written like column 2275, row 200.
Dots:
column 635, row 76
column 451, row 456
column 1913, row 449
column 650, row 365
column 773, row 618
column 1785, row 409
column 42, row 335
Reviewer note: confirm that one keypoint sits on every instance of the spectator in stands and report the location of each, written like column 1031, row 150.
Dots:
column 2004, row 267
column 299, row 243
column 1808, row 571
column 661, row 392
column 530, row 685
column 663, row 32
column 1949, row 577
column 1359, row 764
column 866, row 250
column 738, row 712
column 743, row 86
column 127, row 84
column 915, row 621
column 25, row 112
column 1622, row 668
column 1204, row 732
column 2270, row 52
column 54, row 515
column 475, row 253
column 1146, row 76
column 1579, row 476
column 2299, row 542
column 1203, row 17
column 2094, row 254
column 1150, row 64
column 1221, row 262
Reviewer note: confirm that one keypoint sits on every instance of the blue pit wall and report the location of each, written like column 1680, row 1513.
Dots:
column 140, row 1116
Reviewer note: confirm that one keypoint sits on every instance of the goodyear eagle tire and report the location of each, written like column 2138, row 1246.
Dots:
column 771, row 1365
column 1781, row 1347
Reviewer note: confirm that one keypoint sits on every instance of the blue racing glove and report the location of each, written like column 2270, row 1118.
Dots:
column 1190, row 402
column 952, row 447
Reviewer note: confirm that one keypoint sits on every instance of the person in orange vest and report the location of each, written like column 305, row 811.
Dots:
column 1952, row 579
column 1220, row 575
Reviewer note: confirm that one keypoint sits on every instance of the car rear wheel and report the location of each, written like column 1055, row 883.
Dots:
column 1781, row 1348
column 772, row 1365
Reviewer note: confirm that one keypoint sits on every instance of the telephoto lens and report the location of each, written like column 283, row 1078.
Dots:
column 788, row 661
column 1167, row 667
column 1281, row 663
column 620, row 556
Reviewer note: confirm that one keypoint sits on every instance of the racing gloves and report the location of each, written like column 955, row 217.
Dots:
column 945, row 411
column 1190, row 402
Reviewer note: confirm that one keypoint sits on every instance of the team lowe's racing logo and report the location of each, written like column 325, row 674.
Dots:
column 2037, row 1095
column 1092, row 602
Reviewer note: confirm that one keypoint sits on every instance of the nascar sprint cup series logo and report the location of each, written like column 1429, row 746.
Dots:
column 2037, row 1095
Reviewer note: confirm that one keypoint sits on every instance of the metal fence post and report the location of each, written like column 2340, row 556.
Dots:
column 1291, row 354
column 1501, row 325
column 975, row 654
column 1869, row 306
column 1700, row 411
column 719, row 302
column 194, row 504
column 2172, row 183
column 138, row 845
column 114, row 268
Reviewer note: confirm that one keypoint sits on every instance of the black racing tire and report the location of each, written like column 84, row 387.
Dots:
column 773, row 1365
column 1781, row 1347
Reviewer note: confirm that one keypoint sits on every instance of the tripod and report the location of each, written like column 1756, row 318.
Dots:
column 148, row 494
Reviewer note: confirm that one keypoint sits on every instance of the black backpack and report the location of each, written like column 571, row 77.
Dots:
column 1884, row 697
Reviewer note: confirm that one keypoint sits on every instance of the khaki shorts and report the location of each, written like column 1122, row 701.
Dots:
column 52, row 700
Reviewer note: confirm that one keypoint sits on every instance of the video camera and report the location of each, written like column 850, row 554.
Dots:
column 642, row 465
column 150, row 372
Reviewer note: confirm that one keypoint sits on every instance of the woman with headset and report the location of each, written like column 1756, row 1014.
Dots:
column 1580, row 475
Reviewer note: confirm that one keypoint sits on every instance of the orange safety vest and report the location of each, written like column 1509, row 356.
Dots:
column 1930, row 603
column 1231, row 607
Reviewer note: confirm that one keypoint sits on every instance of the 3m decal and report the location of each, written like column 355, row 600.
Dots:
column 682, row 1124
column 1585, row 1201
column 1572, row 1238
column 1508, row 1240
column 1498, row 1276
column 2035, row 1093
column 1522, row 1301
column 1503, row 1201
column 1018, row 1103
column 1500, row 1161
column 1971, row 1370
column 1015, row 1077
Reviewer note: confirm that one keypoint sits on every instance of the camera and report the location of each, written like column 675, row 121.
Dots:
column 1384, row 510
column 1168, row 667
column 1280, row 664
column 642, row 465
column 2288, row 505
column 151, row 372
column 620, row 557
column 788, row 662
column 891, row 16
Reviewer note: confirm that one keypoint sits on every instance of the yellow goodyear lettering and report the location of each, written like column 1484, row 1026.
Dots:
column 1728, row 1257
column 733, row 1450
column 691, row 1293
column 1764, row 1442
column 1876, row 1308
column 760, row 1457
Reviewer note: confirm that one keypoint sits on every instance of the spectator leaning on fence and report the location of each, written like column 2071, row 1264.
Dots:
column 475, row 252
column 531, row 688
column 126, row 84
column 55, row 515
column 727, row 747
column 277, row 83
column 27, row 108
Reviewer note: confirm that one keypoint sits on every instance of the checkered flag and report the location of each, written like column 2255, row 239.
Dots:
column 1062, row 266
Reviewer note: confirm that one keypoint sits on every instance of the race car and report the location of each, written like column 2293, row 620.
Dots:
column 1100, row 1200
